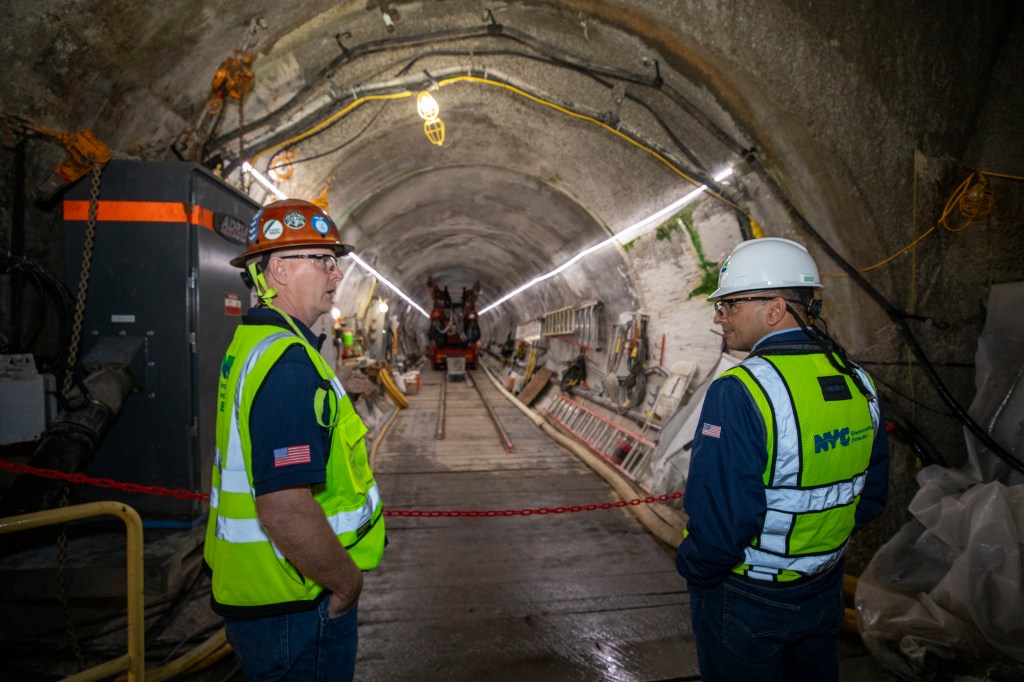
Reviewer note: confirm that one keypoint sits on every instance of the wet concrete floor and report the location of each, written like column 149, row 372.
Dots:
column 573, row 596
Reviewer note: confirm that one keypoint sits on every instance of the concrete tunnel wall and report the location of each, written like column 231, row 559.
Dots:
column 864, row 115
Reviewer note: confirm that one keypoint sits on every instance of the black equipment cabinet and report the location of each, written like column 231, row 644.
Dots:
column 160, row 281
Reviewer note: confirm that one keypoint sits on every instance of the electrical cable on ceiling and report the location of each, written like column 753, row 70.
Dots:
column 491, row 31
column 666, row 128
column 322, row 125
column 581, row 66
column 595, row 76
column 632, row 139
column 709, row 185
column 373, row 119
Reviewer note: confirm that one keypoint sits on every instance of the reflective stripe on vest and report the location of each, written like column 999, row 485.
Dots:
column 248, row 569
column 250, row 530
column 778, row 553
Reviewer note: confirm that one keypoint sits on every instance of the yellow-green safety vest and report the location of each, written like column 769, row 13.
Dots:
column 248, row 569
column 819, row 435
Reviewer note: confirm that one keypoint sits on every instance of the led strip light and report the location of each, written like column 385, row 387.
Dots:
column 636, row 227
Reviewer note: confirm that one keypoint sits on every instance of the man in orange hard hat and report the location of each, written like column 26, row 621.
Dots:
column 295, row 514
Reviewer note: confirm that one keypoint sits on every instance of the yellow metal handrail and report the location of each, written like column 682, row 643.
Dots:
column 134, row 662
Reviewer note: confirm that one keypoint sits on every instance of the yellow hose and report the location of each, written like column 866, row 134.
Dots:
column 392, row 390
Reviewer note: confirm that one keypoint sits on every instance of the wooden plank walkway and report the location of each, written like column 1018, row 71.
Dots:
column 573, row 596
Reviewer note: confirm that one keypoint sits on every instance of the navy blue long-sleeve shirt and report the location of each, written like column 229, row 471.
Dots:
column 282, row 415
column 725, row 494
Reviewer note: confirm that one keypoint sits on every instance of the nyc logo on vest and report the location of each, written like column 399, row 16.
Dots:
column 225, row 366
column 831, row 440
column 225, row 371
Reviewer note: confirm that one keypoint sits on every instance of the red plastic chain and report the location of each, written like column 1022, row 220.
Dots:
column 103, row 482
column 539, row 510
column 187, row 495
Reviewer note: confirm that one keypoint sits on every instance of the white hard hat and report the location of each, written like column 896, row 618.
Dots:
column 766, row 263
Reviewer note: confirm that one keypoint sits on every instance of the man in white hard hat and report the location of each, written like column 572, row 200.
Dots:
column 790, row 459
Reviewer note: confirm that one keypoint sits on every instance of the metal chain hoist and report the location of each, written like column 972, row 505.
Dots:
column 241, row 129
column 83, row 280
column 233, row 81
column 62, row 585
column 76, row 335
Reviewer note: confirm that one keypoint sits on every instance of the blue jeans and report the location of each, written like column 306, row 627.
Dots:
column 755, row 633
column 296, row 646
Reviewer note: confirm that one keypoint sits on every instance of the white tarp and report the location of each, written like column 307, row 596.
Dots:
column 669, row 465
column 946, row 595
column 998, row 405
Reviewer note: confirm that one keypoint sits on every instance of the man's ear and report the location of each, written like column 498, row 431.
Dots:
column 277, row 269
column 776, row 311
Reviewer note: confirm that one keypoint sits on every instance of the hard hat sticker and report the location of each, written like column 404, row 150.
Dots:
column 254, row 226
column 295, row 220
column 273, row 229
column 320, row 224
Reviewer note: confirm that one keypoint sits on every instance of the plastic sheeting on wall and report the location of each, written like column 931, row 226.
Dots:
column 945, row 594
column 665, row 471
column 998, row 404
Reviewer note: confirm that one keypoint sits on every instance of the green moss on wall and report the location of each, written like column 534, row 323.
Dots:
column 709, row 269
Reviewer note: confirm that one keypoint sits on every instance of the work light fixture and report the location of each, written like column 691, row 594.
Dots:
column 429, row 111
column 426, row 106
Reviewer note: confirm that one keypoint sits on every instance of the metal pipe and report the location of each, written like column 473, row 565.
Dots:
column 71, row 440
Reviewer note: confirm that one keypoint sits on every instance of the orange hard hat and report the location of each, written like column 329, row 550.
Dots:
column 289, row 224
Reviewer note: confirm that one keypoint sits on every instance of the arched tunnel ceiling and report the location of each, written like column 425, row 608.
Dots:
column 498, row 225
column 533, row 168
column 847, row 124
column 700, row 83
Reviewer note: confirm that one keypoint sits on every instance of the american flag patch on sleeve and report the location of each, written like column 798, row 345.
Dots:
column 294, row 454
column 712, row 430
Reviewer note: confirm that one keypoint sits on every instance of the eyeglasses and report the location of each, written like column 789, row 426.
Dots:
column 325, row 262
column 727, row 307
